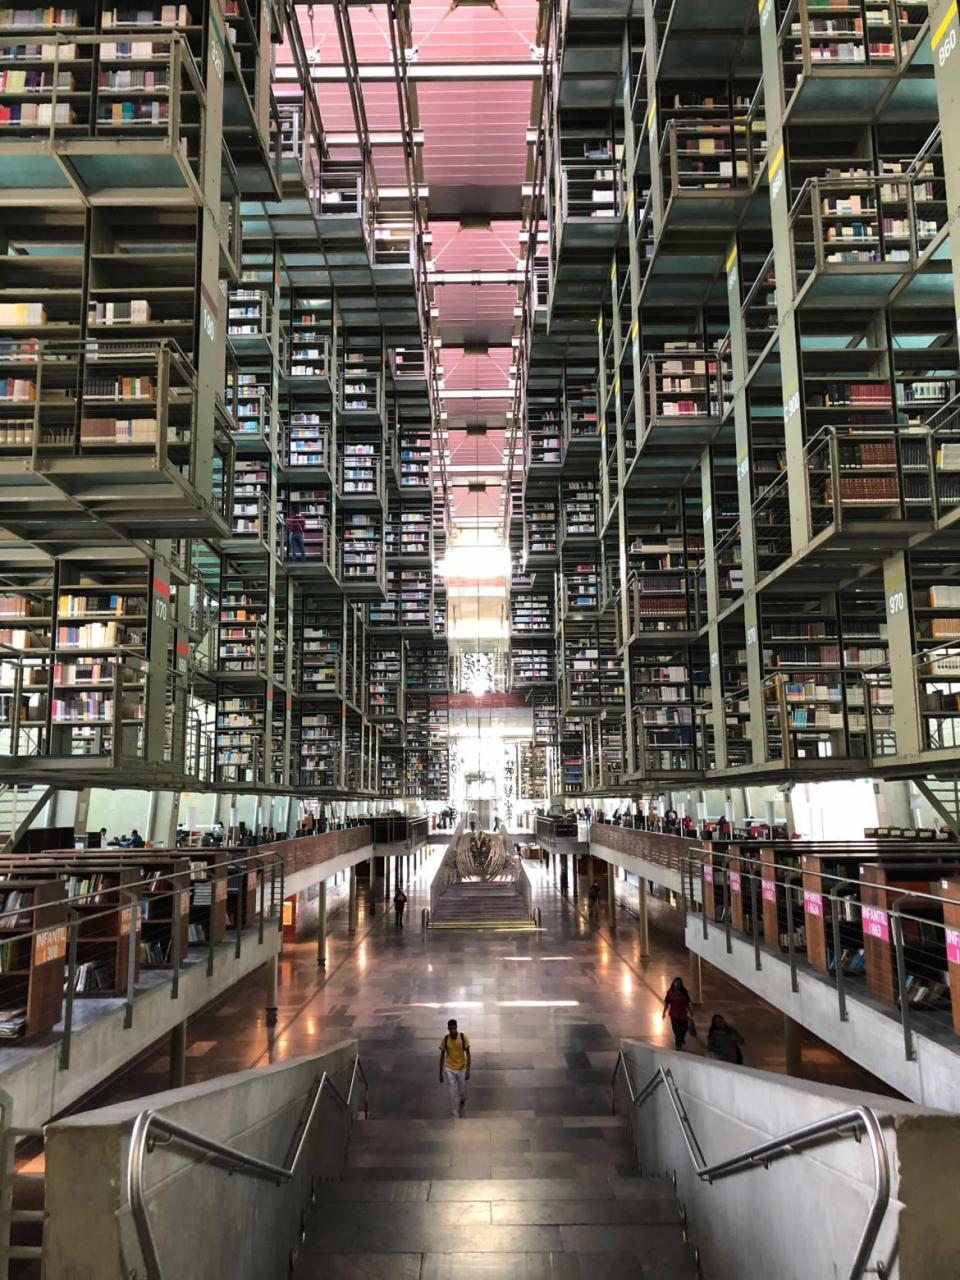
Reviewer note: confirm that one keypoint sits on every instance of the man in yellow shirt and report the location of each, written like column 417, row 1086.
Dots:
column 455, row 1067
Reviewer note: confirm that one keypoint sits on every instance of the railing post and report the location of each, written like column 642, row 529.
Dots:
column 261, row 893
column 837, row 966
column 897, row 927
column 728, row 933
column 703, row 899
column 238, row 924
column 132, row 953
column 791, row 951
column 175, row 945
column 73, row 934
column 753, row 919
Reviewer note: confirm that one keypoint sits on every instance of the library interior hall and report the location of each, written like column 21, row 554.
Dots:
column 480, row 640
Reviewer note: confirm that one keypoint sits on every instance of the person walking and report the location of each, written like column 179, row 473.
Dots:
column 455, row 1067
column 594, row 898
column 677, row 1003
column 564, row 883
column 296, row 528
column 724, row 1041
column 399, row 906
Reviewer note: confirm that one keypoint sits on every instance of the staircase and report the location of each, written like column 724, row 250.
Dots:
column 498, row 1198
column 21, row 1204
column 481, row 904
column 15, row 804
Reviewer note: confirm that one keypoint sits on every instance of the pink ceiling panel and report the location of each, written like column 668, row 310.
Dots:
column 475, row 133
column 445, row 33
column 475, row 372
column 456, row 249
column 469, row 506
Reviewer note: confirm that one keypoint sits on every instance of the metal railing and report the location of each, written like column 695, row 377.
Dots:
column 151, row 1128
column 845, row 1124
column 908, row 969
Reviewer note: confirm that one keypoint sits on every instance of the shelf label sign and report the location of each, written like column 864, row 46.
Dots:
column 735, row 881
column 208, row 313
column 50, row 944
column 708, row 873
column 743, row 466
column 791, row 403
column 876, row 924
column 812, row 904
column 651, row 116
column 731, row 268
column 769, row 888
column 221, row 890
column 944, row 39
column 125, row 918
column 751, row 636
column 953, row 945
column 217, row 46
column 775, row 174
column 251, row 880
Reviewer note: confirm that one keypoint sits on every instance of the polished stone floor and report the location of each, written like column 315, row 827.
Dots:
column 545, row 1011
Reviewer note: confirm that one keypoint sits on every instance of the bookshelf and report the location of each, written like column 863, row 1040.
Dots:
column 360, row 480
column 98, row 698
column 361, row 553
column 251, row 500
column 532, row 664
column 544, row 436
column 320, row 645
column 314, row 503
column 361, row 399
column 541, row 527
column 531, row 613
column 581, row 513
column 31, row 967
column 309, row 341
column 385, row 683
column 240, row 741
column 413, row 463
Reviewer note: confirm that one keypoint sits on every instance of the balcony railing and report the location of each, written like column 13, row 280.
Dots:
column 591, row 192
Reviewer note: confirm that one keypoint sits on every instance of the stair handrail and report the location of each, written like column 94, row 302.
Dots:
column 847, row 1123
column 149, row 1123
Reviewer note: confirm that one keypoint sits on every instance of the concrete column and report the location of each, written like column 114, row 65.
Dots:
column 644, row 921
column 373, row 885
column 612, row 897
column 694, row 980
column 322, row 925
column 178, row 1055
column 793, row 1045
column 386, row 877
column 352, row 902
column 273, row 977
column 574, row 878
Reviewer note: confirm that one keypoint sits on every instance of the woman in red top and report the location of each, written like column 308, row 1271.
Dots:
column 677, row 1003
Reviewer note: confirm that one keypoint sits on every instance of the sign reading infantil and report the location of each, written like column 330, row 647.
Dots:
column 50, row 944
column 812, row 903
column 875, row 923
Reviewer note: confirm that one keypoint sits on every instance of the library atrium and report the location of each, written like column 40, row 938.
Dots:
column 480, row 640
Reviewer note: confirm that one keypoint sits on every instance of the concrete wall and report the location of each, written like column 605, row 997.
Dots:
column 205, row 1222
column 33, row 1087
column 871, row 1035
column 800, row 1218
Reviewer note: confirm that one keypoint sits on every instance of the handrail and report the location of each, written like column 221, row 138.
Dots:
column 847, row 1123
column 148, row 1122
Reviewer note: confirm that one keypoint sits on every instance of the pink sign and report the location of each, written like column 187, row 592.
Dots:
column 735, row 880
column 769, row 891
column 708, row 873
column 812, row 903
column 953, row 946
column 875, row 923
